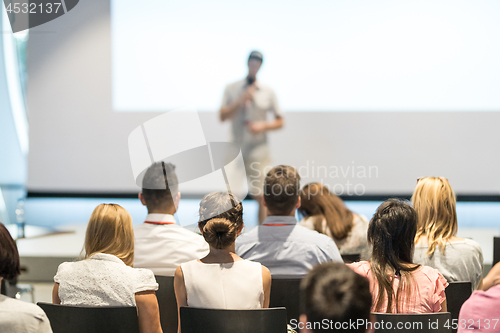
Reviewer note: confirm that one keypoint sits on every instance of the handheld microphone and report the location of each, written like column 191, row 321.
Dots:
column 248, row 104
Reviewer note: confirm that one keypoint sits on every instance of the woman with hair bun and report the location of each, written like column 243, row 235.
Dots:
column 222, row 280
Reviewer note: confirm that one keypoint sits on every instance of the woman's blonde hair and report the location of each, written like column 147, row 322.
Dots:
column 435, row 203
column 110, row 231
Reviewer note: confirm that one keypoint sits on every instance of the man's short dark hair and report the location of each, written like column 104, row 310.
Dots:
column 334, row 292
column 160, row 185
column 256, row 55
column 281, row 189
column 9, row 256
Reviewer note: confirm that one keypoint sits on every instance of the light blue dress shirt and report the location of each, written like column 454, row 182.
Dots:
column 285, row 247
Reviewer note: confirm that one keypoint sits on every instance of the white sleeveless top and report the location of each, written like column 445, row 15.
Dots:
column 235, row 285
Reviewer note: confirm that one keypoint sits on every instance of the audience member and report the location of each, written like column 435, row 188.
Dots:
column 216, row 280
column 326, row 213
column 397, row 284
column 222, row 280
column 334, row 297
column 480, row 312
column 458, row 259
column 281, row 244
column 160, row 244
column 17, row 316
column 106, row 276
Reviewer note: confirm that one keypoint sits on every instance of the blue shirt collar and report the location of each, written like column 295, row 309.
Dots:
column 280, row 220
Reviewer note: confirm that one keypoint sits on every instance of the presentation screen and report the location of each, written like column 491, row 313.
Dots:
column 343, row 55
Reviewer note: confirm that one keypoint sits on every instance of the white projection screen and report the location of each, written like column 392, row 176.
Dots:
column 375, row 93
column 340, row 55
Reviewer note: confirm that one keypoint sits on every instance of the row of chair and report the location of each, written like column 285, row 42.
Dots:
column 285, row 292
column 195, row 320
column 285, row 296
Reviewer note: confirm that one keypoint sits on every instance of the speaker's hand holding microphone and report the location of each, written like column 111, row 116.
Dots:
column 248, row 94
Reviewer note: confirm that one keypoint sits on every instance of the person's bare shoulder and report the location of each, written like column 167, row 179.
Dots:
column 266, row 273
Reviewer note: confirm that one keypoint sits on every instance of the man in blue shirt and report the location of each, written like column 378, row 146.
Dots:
column 280, row 244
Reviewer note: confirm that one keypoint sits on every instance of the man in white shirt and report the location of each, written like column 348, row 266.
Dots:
column 160, row 244
column 247, row 103
column 280, row 243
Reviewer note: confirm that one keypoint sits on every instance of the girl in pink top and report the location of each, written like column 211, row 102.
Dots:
column 398, row 285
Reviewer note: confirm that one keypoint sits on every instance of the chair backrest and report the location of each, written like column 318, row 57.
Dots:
column 167, row 303
column 439, row 322
column 196, row 320
column 350, row 258
column 456, row 294
column 3, row 289
column 285, row 292
column 79, row 319
column 496, row 250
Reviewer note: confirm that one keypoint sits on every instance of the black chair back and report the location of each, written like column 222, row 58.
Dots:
column 79, row 319
column 167, row 303
column 496, row 250
column 3, row 289
column 197, row 320
column 456, row 294
column 350, row 258
column 439, row 322
column 285, row 292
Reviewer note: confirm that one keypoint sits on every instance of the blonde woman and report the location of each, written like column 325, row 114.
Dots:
column 106, row 277
column 436, row 243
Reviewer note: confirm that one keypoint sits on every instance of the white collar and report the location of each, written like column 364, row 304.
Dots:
column 107, row 257
column 160, row 219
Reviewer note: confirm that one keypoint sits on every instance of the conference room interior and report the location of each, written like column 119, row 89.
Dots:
column 375, row 95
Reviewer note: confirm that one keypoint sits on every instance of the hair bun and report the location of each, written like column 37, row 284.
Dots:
column 219, row 233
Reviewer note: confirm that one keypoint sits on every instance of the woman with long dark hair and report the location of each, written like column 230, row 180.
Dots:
column 397, row 284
